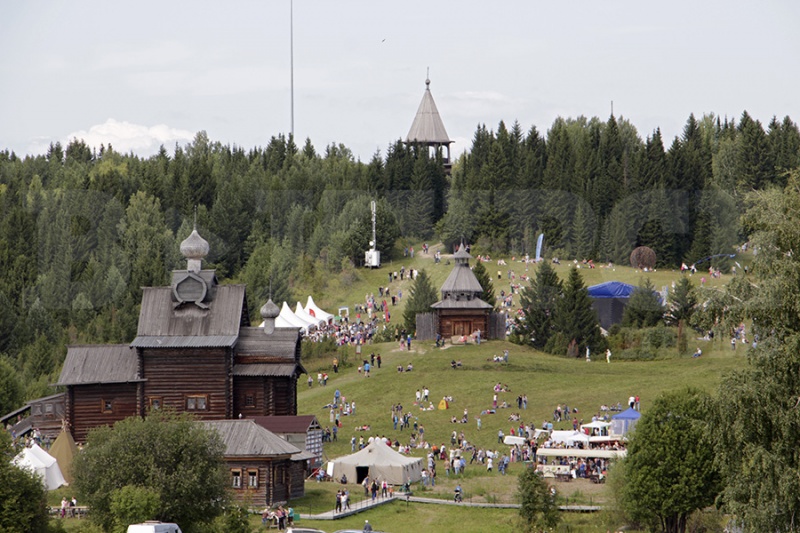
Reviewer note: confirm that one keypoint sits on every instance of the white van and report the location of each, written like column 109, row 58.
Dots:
column 153, row 526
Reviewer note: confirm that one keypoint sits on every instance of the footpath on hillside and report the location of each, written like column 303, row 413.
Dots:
column 368, row 503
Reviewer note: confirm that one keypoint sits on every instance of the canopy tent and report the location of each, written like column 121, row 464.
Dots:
column 42, row 464
column 313, row 310
column 513, row 440
column 596, row 428
column 64, row 450
column 287, row 319
column 586, row 454
column 622, row 423
column 378, row 461
column 609, row 300
column 302, row 315
column 569, row 438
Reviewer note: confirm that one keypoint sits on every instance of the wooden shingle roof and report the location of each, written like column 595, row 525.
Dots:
column 163, row 324
column 112, row 363
column 280, row 344
column 245, row 438
column 452, row 303
column 428, row 126
column 461, row 280
column 288, row 424
column 268, row 370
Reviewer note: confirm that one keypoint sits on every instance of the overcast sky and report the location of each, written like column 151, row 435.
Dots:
column 144, row 73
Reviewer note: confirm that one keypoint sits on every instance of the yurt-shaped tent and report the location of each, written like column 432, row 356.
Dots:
column 378, row 461
column 624, row 422
column 42, row 464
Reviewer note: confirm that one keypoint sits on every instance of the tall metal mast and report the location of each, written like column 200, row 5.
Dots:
column 291, row 61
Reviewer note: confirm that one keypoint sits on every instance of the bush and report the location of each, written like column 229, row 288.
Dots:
column 309, row 351
column 642, row 344
column 538, row 507
column 132, row 505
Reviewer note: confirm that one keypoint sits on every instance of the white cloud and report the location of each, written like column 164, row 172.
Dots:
column 125, row 137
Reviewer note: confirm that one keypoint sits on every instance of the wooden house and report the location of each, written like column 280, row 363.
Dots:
column 303, row 431
column 260, row 463
column 43, row 414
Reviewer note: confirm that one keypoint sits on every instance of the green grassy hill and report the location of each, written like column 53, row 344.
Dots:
column 351, row 288
column 547, row 380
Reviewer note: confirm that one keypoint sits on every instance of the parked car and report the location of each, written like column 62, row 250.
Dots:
column 154, row 526
column 303, row 530
column 354, row 531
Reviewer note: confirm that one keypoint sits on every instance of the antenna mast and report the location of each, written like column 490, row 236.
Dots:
column 291, row 62
column 374, row 240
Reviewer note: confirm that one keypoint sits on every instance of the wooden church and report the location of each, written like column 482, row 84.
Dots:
column 195, row 351
column 461, row 310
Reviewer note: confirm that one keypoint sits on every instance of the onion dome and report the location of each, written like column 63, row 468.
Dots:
column 194, row 247
column 270, row 310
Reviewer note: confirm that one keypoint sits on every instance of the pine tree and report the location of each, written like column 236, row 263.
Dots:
column 575, row 319
column 422, row 296
column 539, row 303
column 485, row 280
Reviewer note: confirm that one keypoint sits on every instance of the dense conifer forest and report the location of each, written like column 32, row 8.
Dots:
column 82, row 230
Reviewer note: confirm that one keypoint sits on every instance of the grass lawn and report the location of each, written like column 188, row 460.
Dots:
column 547, row 380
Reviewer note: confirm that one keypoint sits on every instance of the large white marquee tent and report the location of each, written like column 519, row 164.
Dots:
column 378, row 461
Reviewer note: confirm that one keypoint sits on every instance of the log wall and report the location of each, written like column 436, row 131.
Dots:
column 87, row 409
column 175, row 375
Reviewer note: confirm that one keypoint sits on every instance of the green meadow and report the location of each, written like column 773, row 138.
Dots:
column 547, row 380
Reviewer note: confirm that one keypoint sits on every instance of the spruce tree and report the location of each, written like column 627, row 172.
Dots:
column 575, row 319
column 419, row 209
column 681, row 302
column 485, row 280
column 422, row 296
column 644, row 309
column 539, row 302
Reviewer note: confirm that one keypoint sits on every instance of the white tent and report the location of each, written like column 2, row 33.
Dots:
column 596, row 428
column 288, row 317
column 512, row 440
column 378, row 461
column 569, row 438
column 313, row 310
column 586, row 454
column 301, row 314
column 42, row 464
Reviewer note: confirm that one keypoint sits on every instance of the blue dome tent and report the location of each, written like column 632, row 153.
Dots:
column 609, row 300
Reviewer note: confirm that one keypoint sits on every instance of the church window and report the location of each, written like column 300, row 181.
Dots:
column 198, row 402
